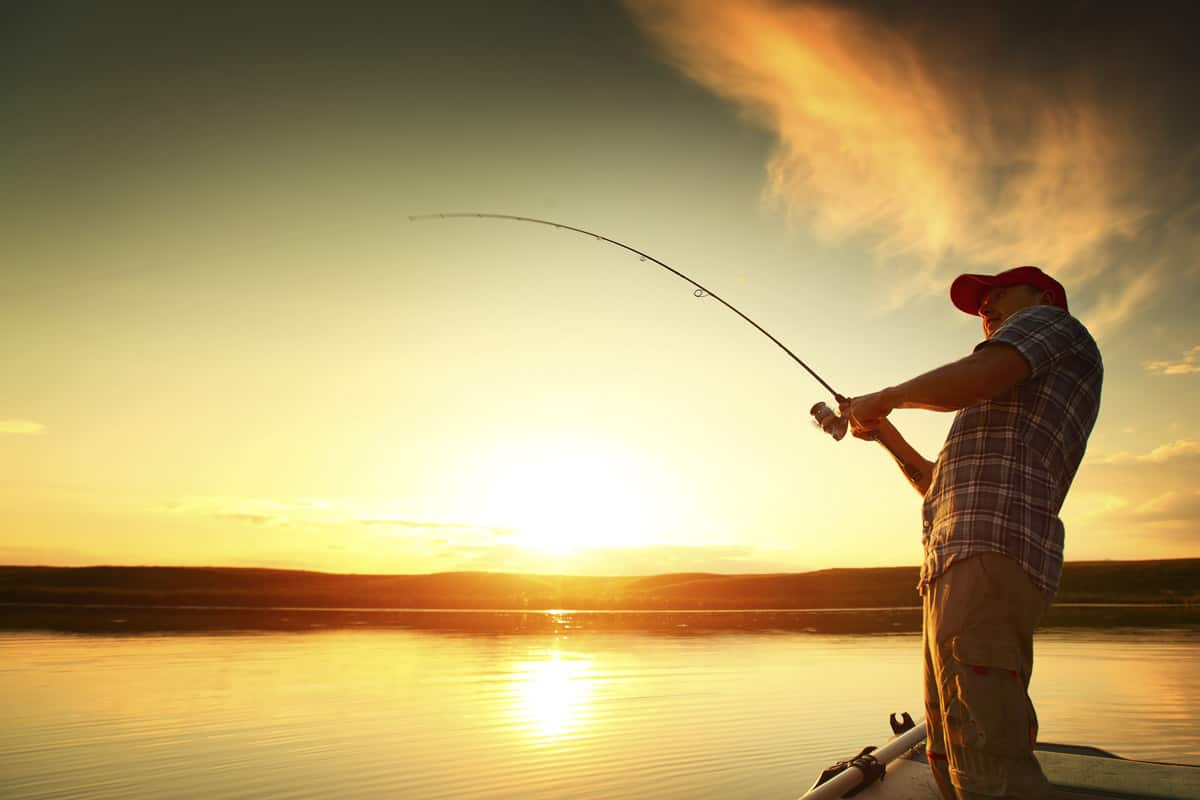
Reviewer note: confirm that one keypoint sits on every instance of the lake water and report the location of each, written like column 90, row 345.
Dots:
column 426, row 714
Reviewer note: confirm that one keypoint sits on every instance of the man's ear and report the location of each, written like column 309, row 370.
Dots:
column 1046, row 299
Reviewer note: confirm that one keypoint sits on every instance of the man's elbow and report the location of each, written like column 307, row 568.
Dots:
column 1002, row 368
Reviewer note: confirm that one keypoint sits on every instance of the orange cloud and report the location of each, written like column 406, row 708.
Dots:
column 935, row 157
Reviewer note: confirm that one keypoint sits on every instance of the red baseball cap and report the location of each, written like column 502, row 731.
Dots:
column 967, row 291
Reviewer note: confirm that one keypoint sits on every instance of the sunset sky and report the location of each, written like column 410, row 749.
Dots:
column 223, row 342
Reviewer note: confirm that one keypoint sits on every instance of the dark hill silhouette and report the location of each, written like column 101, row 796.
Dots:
column 1166, row 581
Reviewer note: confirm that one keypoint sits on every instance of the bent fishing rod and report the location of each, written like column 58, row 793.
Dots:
column 825, row 418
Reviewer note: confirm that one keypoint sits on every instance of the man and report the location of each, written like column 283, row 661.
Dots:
column 1027, row 398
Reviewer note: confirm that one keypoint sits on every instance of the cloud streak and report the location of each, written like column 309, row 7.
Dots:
column 1179, row 507
column 1189, row 364
column 257, row 511
column 1172, row 452
column 895, row 130
column 436, row 526
column 327, row 514
column 21, row 427
column 643, row 560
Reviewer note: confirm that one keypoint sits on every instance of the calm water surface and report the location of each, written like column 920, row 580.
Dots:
column 401, row 713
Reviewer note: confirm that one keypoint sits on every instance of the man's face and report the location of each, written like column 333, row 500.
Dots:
column 1001, row 302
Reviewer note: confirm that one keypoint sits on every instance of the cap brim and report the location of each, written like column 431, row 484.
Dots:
column 967, row 292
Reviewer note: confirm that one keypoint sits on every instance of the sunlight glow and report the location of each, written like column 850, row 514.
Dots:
column 553, row 696
column 569, row 493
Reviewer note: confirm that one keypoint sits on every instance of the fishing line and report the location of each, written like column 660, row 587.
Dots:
column 700, row 290
column 827, row 419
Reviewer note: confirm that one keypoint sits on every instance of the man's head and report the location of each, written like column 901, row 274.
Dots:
column 995, row 298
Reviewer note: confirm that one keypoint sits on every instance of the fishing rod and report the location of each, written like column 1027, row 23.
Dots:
column 826, row 418
column 701, row 291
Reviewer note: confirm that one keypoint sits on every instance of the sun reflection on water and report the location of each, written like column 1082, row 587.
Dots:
column 553, row 696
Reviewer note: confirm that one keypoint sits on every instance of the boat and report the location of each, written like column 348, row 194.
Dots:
column 898, row 770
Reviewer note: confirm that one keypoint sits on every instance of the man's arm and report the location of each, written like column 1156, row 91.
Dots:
column 979, row 377
column 916, row 468
column 989, row 371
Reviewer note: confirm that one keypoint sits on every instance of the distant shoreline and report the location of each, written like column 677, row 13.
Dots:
column 570, row 611
column 1172, row 582
column 1106, row 594
column 133, row 619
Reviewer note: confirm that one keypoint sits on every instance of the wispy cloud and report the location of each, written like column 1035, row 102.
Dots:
column 646, row 560
column 256, row 511
column 1139, row 504
column 1119, row 303
column 1163, row 454
column 424, row 525
column 1179, row 507
column 21, row 427
column 252, row 517
column 1171, row 516
column 327, row 514
column 1189, row 364
column 943, row 157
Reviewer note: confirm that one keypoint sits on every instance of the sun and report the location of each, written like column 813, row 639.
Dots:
column 564, row 494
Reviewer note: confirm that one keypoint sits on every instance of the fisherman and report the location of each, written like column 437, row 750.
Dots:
column 1027, row 398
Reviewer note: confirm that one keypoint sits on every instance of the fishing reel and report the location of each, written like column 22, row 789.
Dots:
column 827, row 420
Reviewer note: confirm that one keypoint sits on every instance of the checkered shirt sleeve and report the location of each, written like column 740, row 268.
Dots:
column 1004, row 471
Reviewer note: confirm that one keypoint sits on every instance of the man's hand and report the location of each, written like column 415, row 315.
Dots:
column 868, row 420
column 867, row 412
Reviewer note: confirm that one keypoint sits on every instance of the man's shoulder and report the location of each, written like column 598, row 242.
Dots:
column 1041, row 316
column 1054, row 326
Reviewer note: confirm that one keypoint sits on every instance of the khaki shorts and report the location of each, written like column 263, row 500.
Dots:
column 978, row 632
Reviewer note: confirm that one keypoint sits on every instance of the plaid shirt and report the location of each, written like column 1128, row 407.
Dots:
column 1007, row 463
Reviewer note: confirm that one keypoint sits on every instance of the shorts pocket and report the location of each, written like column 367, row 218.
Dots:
column 990, row 708
column 988, row 653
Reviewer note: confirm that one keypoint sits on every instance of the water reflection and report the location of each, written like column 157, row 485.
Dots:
column 553, row 696
column 386, row 714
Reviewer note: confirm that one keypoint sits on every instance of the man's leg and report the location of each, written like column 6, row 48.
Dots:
column 935, row 742
column 980, row 626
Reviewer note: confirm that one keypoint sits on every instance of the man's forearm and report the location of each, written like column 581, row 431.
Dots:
column 977, row 378
column 916, row 468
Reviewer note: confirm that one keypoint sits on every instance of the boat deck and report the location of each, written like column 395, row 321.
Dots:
column 1078, row 773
